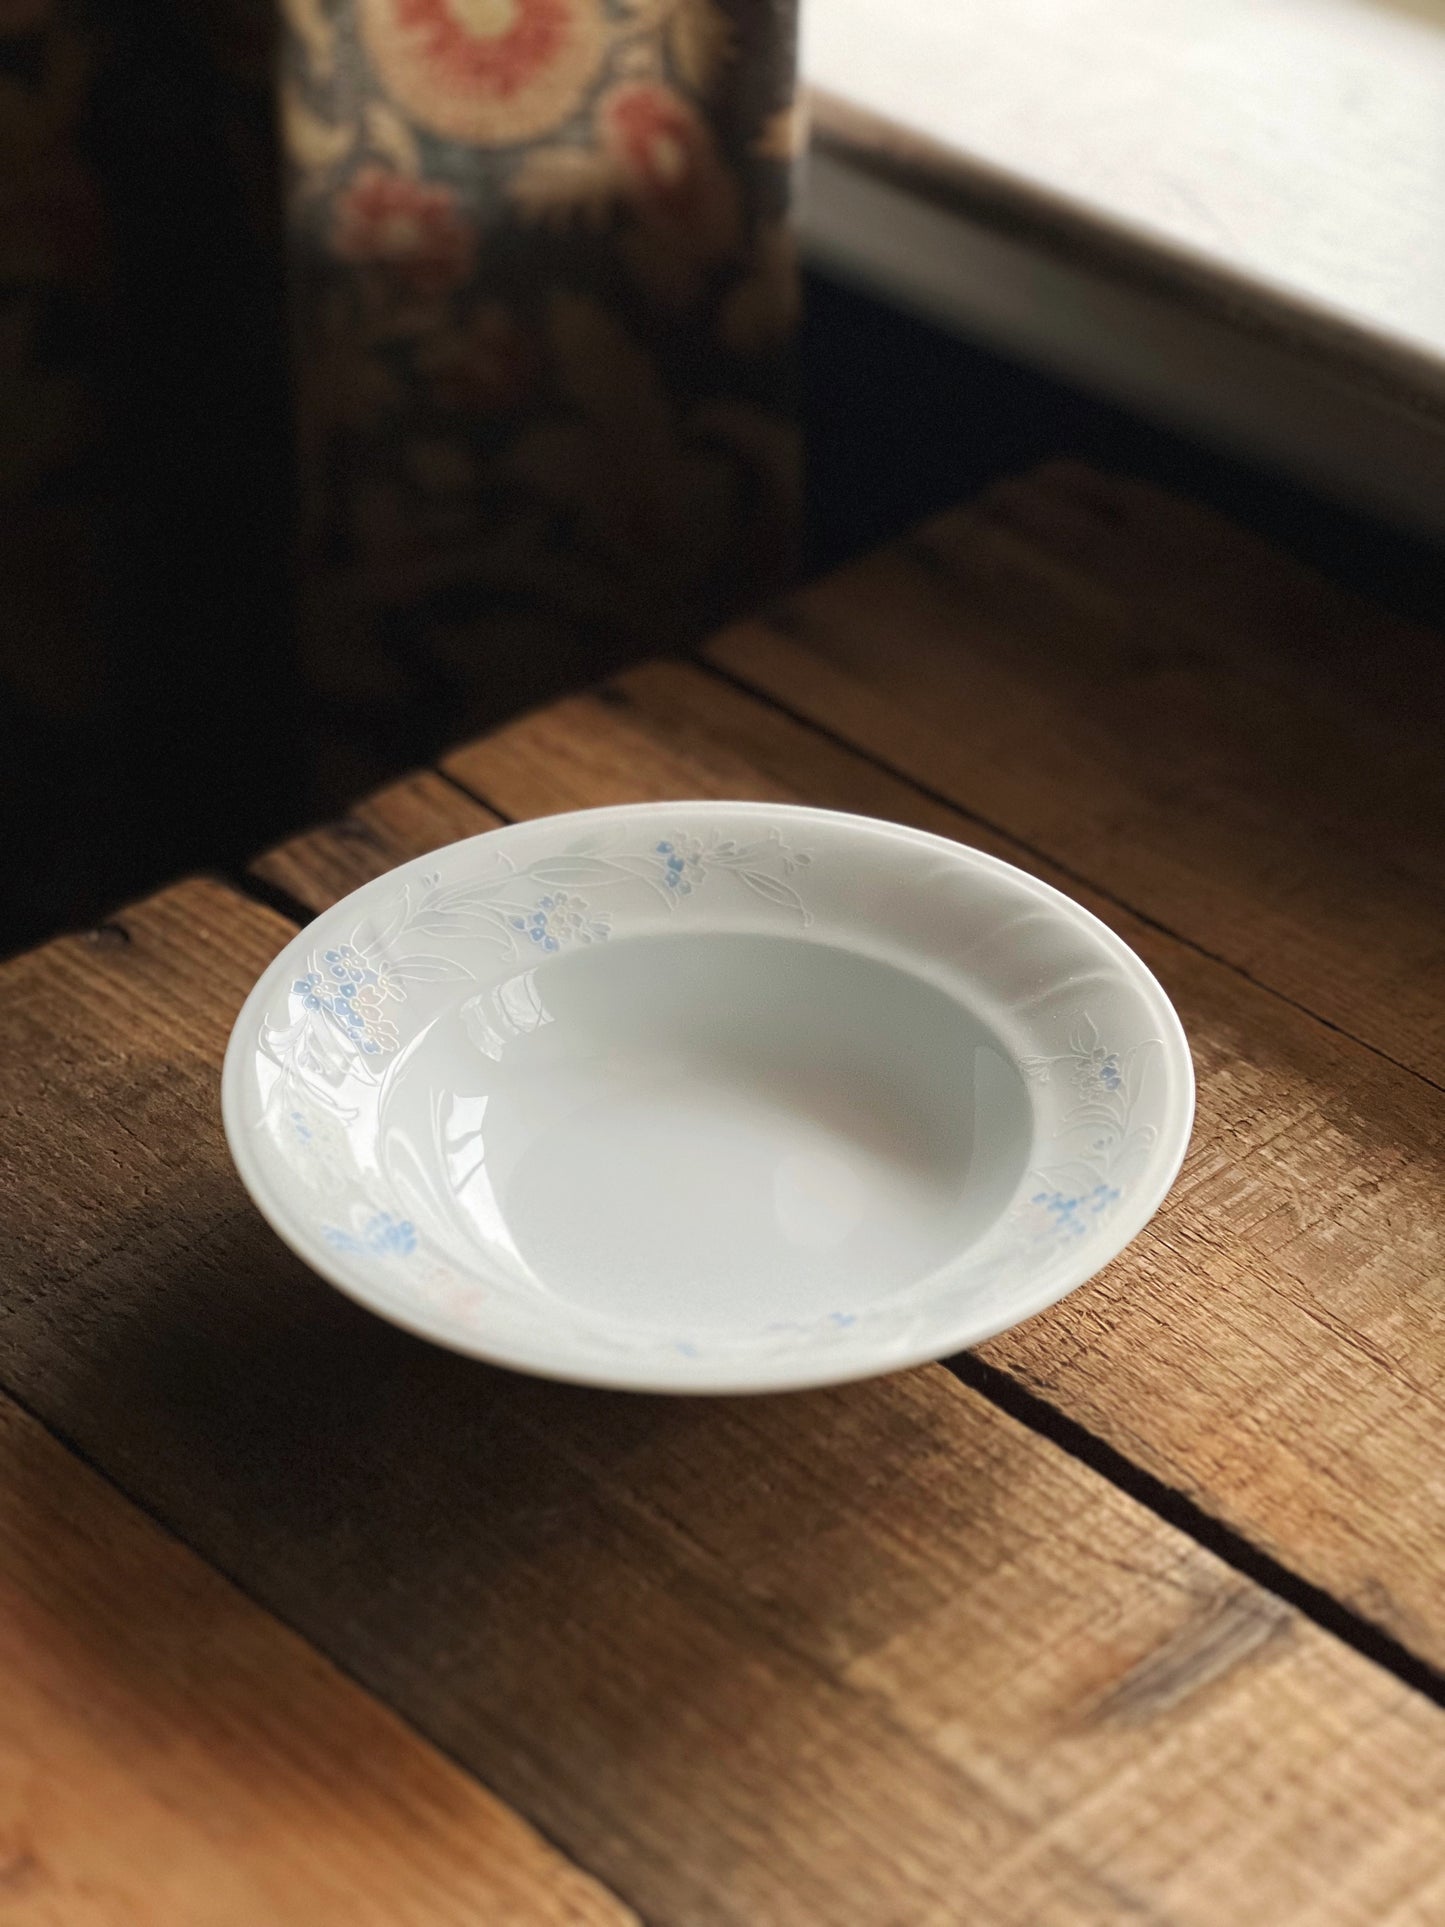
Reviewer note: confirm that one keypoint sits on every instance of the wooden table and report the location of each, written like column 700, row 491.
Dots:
column 1136, row 1615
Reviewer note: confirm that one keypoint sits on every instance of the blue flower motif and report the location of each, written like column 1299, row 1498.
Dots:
column 682, row 864
column 1096, row 1071
column 562, row 918
column 1060, row 1212
column 386, row 1234
column 352, row 994
column 1066, row 1216
column 383, row 1236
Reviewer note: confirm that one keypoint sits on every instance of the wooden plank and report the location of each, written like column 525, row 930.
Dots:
column 406, row 819
column 1273, row 1344
column 1203, row 731
column 872, row 1654
column 169, row 1753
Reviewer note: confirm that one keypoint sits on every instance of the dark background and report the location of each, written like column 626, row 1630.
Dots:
column 153, row 717
column 202, row 743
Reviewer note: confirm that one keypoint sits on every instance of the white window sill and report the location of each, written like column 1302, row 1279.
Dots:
column 1269, row 171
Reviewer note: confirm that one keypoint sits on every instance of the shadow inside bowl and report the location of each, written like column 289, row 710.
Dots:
column 703, row 1133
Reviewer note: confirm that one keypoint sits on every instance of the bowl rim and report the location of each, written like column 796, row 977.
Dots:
column 658, row 1373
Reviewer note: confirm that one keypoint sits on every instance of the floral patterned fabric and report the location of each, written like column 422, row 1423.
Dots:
column 541, row 296
column 544, row 295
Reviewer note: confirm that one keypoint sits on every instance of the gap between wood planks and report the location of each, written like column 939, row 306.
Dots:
column 991, row 1382
column 627, row 1913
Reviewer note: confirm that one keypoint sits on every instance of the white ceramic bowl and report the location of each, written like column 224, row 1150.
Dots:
column 702, row 1097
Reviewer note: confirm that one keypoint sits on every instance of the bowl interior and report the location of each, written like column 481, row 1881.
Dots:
column 707, row 1096
column 707, row 1131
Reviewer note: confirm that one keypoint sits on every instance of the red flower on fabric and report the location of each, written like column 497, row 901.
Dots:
column 389, row 220
column 686, row 201
column 661, row 146
column 494, row 72
column 496, row 46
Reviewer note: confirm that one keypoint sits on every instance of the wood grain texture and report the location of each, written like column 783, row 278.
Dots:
column 1274, row 1343
column 406, row 819
column 1195, row 726
column 170, row 1754
column 875, row 1655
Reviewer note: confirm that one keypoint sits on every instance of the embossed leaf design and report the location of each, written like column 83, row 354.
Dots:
column 775, row 892
column 459, row 923
column 597, row 841
column 1086, row 1037
column 427, row 970
column 372, row 937
column 577, row 872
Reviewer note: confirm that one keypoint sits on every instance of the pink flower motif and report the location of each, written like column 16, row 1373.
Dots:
column 389, row 220
column 662, row 148
column 688, row 214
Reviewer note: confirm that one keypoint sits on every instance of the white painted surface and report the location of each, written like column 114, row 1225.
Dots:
column 1158, row 356
column 1298, row 144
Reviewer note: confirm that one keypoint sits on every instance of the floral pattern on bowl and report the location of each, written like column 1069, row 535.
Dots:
column 370, row 1193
